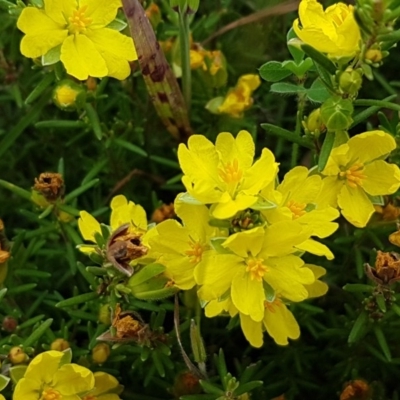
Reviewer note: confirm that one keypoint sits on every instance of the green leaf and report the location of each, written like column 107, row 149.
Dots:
column 38, row 333
column 117, row 25
column 318, row 93
column 358, row 328
column 380, row 337
column 357, row 287
column 287, row 135
column 3, row 293
column 94, row 120
column 82, row 298
column 25, row 194
column 294, row 47
column 131, row 147
column 4, row 380
column 40, row 88
column 154, row 295
column 298, row 69
column 81, row 189
column 319, row 58
column 273, row 71
column 16, row 373
column 60, row 124
column 326, row 149
column 287, row 88
column 210, row 388
column 52, row 56
column 247, row 387
column 146, row 273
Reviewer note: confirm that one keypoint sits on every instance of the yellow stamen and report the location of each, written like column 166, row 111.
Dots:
column 256, row 268
column 297, row 209
column 51, row 394
column 230, row 173
column 195, row 253
column 354, row 175
column 78, row 21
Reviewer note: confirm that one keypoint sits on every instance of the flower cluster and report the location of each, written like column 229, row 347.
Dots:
column 50, row 375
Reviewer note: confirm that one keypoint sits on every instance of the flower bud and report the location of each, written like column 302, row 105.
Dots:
column 9, row 324
column 336, row 114
column 100, row 353
column 186, row 383
column 105, row 314
column 17, row 355
column 69, row 95
column 373, row 55
column 350, row 81
column 60, row 345
column 313, row 124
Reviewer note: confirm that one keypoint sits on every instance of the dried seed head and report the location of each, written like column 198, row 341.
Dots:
column 387, row 268
column 356, row 390
column 50, row 185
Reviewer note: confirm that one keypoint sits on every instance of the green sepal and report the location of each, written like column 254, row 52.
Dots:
column 294, row 46
column 269, row 292
column 216, row 244
column 145, row 274
column 67, row 357
column 186, row 198
column 4, row 380
column 52, row 56
column 319, row 58
column 117, row 25
column 17, row 372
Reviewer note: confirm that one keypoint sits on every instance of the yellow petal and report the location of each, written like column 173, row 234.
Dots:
column 246, row 242
column 88, row 226
column 60, row 10
column 331, row 187
column 287, row 276
column 72, row 379
column 369, row 146
column 281, row 324
column 228, row 207
column 320, row 221
column 102, row 12
column 44, row 366
column 241, row 149
column 314, row 247
column 251, row 80
column 318, row 288
column 81, row 58
column 118, row 201
column 116, row 49
column 252, row 330
column 103, row 383
column 355, row 205
column 27, row 389
column 42, row 33
column 381, row 178
column 248, row 295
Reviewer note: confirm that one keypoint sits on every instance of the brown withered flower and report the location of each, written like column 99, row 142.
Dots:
column 387, row 268
column 50, row 185
column 356, row 390
column 123, row 247
column 164, row 212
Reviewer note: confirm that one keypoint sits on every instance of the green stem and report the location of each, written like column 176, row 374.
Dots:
column 184, row 39
column 377, row 103
column 299, row 118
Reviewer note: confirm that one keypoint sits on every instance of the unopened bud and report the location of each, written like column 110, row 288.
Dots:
column 100, row 353
column 313, row 124
column 9, row 324
column 60, row 345
column 350, row 81
column 373, row 55
column 17, row 355
column 69, row 95
column 336, row 114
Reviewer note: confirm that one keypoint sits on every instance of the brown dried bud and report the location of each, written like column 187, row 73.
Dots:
column 124, row 247
column 356, row 390
column 9, row 324
column 50, row 185
column 164, row 212
column 125, row 324
column 387, row 268
column 186, row 383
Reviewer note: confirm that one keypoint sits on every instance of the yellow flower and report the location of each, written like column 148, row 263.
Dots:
column 48, row 378
column 296, row 199
column 106, row 387
column 333, row 31
column 355, row 171
column 224, row 175
column 78, row 30
column 239, row 98
column 180, row 248
column 257, row 258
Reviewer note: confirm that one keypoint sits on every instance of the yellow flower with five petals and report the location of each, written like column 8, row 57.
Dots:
column 78, row 29
column 224, row 175
column 355, row 171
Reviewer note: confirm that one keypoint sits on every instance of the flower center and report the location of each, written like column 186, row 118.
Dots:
column 256, row 268
column 51, row 394
column 339, row 18
column 354, row 175
column 273, row 305
column 78, row 21
column 297, row 209
column 195, row 253
column 230, row 173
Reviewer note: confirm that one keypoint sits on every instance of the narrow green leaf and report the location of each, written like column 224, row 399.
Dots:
column 31, row 322
column 287, row 135
column 210, row 388
column 319, row 58
column 25, row 194
column 377, row 103
column 287, row 88
column 94, row 120
column 358, row 328
column 60, row 124
column 158, row 363
column 358, row 287
column 47, row 211
column 22, row 288
column 81, row 189
column 131, row 147
column 326, row 150
column 2, row 293
column 380, row 337
column 293, row 46
column 38, row 333
column 40, row 88
column 146, row 273
column 247, row 387
column 82, row 298
column 390, row 37
column 273, row 71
